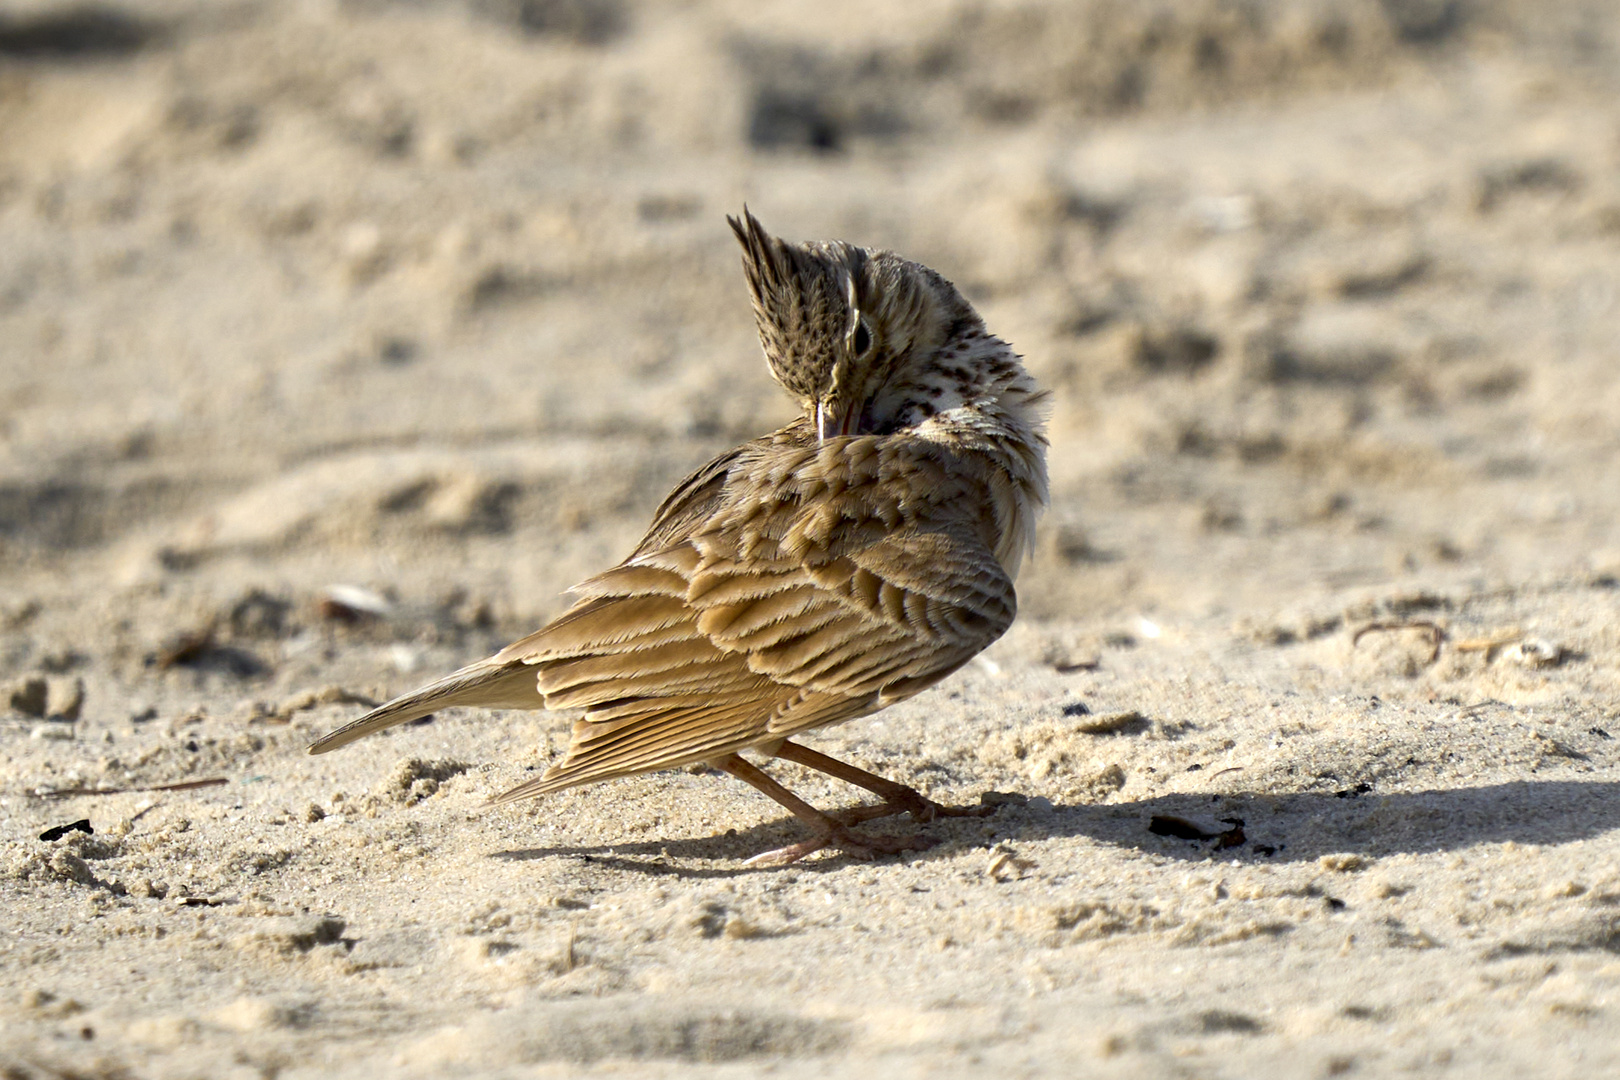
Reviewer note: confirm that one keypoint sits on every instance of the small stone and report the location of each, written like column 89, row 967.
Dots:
column 66, row 866
column 1117, row 723
column 1005, row 865
column 1105, row 781
column 1534, row 653
column 55, row 732
column 1562, row 890
column 352, row 604
column 259, row 1014
column 365, row 254
column 415, row 779
column 1343, row 863
column 290, row 935
column 147, row 889
column 48, row 1005
column 64, row 698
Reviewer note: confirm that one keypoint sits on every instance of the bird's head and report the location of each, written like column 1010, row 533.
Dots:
column 870, row 343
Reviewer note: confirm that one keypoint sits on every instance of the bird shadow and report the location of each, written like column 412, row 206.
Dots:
column 1243, row 827
column 1304, row 826
column 674, row 857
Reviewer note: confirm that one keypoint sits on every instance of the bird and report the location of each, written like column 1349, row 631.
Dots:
column 829, row 569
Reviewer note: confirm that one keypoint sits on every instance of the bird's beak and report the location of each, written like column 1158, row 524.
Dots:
column 831, row 421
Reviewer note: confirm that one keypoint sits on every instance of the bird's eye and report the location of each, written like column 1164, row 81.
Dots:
column 863, row 339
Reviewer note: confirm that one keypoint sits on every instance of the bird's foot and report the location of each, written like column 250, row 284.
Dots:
column 854, row 844
column 919, row 806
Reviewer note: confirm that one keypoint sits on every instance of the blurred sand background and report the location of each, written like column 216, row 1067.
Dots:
column 432, row 301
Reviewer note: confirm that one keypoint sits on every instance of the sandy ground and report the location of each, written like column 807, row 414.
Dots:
column 434, row 301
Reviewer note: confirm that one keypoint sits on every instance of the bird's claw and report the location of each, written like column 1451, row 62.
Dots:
column 855, row 845
column 921, row 808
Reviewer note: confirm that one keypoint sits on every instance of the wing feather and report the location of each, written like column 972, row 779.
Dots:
column 785, row 585
column 788, row 622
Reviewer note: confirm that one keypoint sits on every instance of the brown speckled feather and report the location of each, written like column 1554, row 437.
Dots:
column 810, row 587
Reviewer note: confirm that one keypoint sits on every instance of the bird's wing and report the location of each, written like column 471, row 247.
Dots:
column 814, row 583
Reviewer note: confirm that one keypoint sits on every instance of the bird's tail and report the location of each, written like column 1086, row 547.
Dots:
column 485, row 684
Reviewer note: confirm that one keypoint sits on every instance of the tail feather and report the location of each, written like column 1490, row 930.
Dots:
column 485, row 684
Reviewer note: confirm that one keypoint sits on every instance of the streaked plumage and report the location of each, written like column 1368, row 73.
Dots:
column 819, row 573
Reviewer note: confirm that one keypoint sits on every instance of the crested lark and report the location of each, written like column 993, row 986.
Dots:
column 819, row 573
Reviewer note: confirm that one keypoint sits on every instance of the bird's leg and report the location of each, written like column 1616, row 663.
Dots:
column 830, row 832
column 897, row 798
